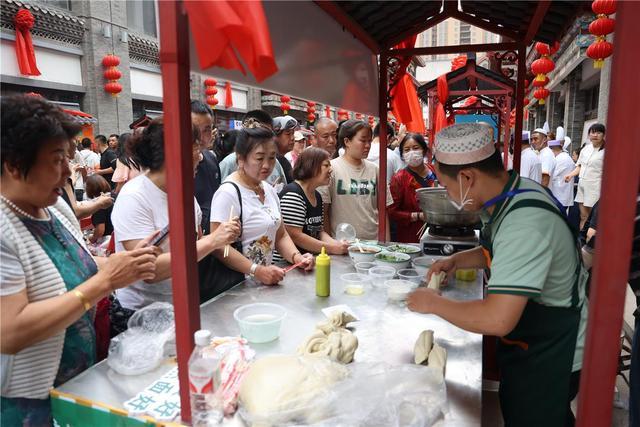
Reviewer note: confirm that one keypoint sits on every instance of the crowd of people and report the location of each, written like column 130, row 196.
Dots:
column 269, row 194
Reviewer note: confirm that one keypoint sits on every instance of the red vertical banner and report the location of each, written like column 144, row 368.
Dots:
column 228, row 95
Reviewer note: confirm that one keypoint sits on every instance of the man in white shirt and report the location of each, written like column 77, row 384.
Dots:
column 547, row 159
column 90, row 158
column 563, row 191
column 394, row 162
column 530, row 166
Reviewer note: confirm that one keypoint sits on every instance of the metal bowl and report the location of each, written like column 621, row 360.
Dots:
column 438, row 210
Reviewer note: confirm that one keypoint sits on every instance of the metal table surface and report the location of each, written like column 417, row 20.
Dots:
column 385, row 331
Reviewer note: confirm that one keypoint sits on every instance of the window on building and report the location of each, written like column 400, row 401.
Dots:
column 465, row 33
column 591, row 102
column 141, row 16
column 62, row 4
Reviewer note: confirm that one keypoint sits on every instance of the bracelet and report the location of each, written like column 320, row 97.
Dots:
column 294, row 256
column 252, row 270
column 82, row 299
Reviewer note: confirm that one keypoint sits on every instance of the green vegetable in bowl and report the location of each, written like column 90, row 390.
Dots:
column 403, row 249
column 389, row 257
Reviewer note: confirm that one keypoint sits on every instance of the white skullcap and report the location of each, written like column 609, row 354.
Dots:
column 463, row 144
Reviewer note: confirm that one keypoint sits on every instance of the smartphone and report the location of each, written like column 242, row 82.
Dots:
column 164, row 233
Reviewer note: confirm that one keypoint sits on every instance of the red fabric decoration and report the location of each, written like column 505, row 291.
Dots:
column 225, row 31
column 228, row 95
column 602, row 26
column 604, row 7
column 327, row 111
column 25, row 53
column 112, row 73
column 110, row 61
column 598, row 51
column 440, row 118
column 114, row 88
column 405, row 104
column 458, row 62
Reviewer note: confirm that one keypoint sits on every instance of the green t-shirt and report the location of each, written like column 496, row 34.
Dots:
column 534, row 255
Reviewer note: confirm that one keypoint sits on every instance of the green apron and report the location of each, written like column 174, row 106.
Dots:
column 536, row 357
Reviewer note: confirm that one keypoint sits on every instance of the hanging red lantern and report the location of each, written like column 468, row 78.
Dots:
column 211, row 91
column 598, row 51
column 285, row 99
column 114, row 88
column 311, row 111
column 526, row 101
column 285, row 108
column 604, row 7
column 541, row 83
column 311, row 117
column 210, row 82
column 110, row 61
column 542, row 66
column 541, row 94
column 542, row 49
column 112, row 73
column 343, row 114
column 311, row 104
column 212, row 101
column 372, row 121
column 602, row 26
column 526, row 83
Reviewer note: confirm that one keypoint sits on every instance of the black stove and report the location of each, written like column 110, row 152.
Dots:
column 439, row 240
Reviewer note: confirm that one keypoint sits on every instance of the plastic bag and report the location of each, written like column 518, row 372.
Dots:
column 373, row 394
column 141, row 347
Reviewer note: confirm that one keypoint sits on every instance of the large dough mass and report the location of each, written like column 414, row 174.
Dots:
column 332, row 339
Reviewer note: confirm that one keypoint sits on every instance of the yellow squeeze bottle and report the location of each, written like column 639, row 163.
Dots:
column 323, row 274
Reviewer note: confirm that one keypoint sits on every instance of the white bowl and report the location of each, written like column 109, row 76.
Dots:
column 369, row 253
column 260, row 322
column 396, row 260
column 412, row 250
column 398, row 290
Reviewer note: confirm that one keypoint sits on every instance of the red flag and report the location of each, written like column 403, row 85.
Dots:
column 405, row 105
column 225, row 31
column 228, row 96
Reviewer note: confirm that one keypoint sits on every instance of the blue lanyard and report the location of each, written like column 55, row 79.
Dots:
column 512, row 193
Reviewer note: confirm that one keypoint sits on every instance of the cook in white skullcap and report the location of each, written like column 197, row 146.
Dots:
column 555, row 143
column 540, row 130
column 463, row 144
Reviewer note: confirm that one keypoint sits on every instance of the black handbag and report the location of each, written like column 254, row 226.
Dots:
column 214, row 276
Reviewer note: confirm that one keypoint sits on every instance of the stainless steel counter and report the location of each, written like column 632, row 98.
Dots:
column 385, row 331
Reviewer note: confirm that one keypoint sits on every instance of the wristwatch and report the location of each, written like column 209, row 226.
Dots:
column 252, row 271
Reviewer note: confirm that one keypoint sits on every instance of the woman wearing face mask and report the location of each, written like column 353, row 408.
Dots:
column 405, row 209
column 247, row 194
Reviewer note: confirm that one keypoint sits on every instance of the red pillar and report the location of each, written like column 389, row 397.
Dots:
column 382, row 172
column 517, row 132
column 174, row 61
column 615, row 226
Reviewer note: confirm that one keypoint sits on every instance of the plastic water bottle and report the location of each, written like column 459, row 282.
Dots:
column 206, row 407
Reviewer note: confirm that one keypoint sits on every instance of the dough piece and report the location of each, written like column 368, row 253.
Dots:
column 275, row 384
column 423, row 347
column 338, row 319
column 339, row 345
column 436, row 280
column 437, row 358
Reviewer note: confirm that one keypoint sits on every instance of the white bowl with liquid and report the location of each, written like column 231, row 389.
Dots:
column 260, row 322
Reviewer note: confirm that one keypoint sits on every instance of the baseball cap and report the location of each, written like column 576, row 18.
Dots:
column 298, row 136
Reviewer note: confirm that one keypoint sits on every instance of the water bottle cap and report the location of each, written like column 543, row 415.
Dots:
column 202, row 337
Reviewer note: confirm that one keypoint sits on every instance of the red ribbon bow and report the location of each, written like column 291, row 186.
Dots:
column 24, row 21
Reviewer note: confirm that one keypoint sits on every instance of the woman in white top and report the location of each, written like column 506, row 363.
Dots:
column 49, row 282
column 262, row 227
column 141, row 208
column 589, row 169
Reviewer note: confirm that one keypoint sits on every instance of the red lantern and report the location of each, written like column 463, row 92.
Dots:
column 602, row 26
column 210, row 82
column 372, row 121
column 555, row 48
column 526, row 101
column 211, row 91
column 604, row 7
column 285, row 99
column 540, row 94
column 114, row 88
column 526, row 83
column 285, row 108
column 543, row 49
column 311, row 117
column 598, row 51
column 311, row 104
column 343, row 114
column 541, row 83
column 327, row 111
column 110, row 61
column 112, row 73
column 212, row 101
column 542, row 66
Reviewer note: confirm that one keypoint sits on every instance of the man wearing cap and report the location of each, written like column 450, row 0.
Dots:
column 299, row 144
column 284, row 128
column 563, row 191
column 530, row 166
column 535, row 297
column 326, row 131
column 547, row 159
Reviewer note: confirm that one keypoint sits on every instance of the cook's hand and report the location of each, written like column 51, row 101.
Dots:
column 124, row 268
column 422, row 300
column 307, row 261
column 226, row 233
column 269, row 275
column 448, row 265
column 339, row 247
column 104, row 201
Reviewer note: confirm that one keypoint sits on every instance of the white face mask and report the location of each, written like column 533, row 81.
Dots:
column 413, row 158
column 463, row 199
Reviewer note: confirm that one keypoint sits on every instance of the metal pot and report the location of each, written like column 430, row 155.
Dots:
column 438, row 210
